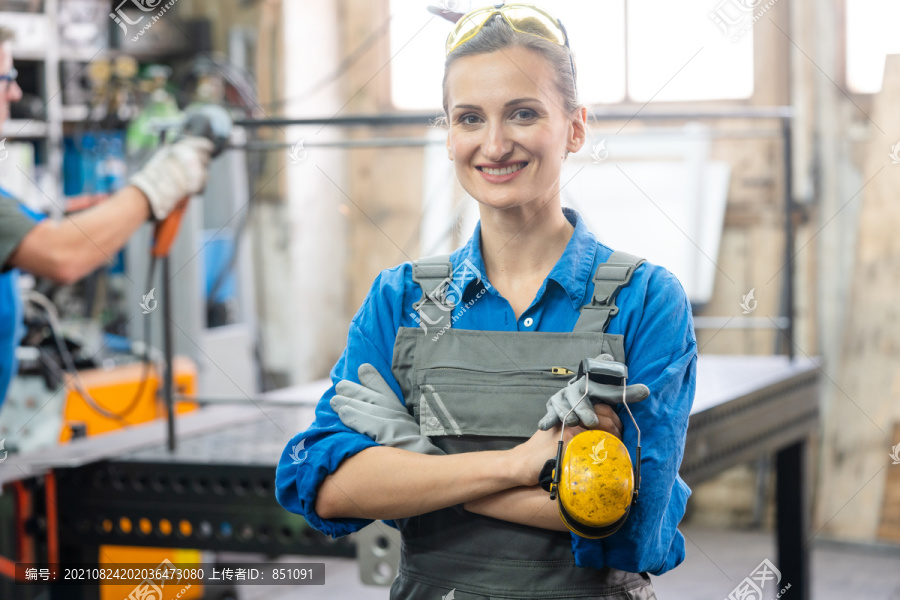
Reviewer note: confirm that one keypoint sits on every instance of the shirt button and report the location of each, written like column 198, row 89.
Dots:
column 528, row 322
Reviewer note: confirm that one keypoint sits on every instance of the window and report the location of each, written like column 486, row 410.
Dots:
column 871, row 34
column 675, row 50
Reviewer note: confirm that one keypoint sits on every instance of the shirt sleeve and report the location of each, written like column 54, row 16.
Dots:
column 314, row 454
column 14, row 226
column 661, row 352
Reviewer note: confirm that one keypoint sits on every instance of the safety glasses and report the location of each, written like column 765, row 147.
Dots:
column 9, row 77
column 523, row 18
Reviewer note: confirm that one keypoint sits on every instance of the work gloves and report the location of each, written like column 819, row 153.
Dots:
column 562, row 401
column 174, row 172
column 372, row 408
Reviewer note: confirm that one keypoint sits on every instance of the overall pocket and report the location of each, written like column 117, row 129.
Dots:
column 463, row 401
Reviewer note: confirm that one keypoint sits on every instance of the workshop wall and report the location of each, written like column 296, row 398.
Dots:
column 845, row 285
column 384, row 202
column 752, row 257
column 298, row 232
column 305, row 285
column 863, row 408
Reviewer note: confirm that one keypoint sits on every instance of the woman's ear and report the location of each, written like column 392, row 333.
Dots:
column 577, row 130
column 449, row 152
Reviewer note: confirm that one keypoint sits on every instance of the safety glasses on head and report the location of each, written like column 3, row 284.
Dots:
column 524, row 18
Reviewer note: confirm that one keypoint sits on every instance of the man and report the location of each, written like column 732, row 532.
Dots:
column 73, row 247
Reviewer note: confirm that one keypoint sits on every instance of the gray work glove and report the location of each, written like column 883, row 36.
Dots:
column 562, row 401
column 174, row 172
column 372, row 408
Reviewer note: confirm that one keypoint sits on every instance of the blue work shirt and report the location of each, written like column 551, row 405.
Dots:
column 11, row 326
column 660, row 349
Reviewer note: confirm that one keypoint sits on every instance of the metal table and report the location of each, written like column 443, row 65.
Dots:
column 747, row 406
column 216, row 491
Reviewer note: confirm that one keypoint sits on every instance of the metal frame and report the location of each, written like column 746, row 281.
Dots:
column 768, row 419
column 780, row 416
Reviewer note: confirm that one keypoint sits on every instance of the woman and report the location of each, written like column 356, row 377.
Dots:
column 456, row 359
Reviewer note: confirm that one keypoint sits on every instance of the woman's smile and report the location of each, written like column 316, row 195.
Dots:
column 502, row 172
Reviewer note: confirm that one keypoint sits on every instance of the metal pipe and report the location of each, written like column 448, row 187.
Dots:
column 167, row 349
column 601, row 113
column 404, row 142
column 787, row 308
column 740, row 323
column 397, row 142
column 248, row 400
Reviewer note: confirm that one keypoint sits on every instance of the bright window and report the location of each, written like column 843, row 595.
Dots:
column 871, row 34
column 675, row 50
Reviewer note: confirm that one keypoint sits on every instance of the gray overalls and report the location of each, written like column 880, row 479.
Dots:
column 487, row 390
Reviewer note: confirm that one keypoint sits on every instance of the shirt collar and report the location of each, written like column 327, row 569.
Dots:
column 572, row 271
column 575, row 267
column 468, row 263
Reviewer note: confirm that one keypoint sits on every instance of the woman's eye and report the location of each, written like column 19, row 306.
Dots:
column 468, row 120
column 524, row 114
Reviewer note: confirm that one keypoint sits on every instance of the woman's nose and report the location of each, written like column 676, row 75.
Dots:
column 497, row 144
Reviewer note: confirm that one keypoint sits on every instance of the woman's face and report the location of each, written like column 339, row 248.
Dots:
column 508, row 128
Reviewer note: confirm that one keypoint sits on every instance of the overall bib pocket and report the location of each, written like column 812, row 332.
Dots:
column 486, row 402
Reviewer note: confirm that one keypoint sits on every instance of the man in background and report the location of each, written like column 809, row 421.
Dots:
column 75, row 246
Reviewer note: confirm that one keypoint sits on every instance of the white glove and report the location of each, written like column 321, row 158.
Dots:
column 372, row 408
column 560, row 403
column 174, row 172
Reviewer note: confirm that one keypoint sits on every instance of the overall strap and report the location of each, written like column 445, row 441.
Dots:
column 610, row 277
column 433, row 275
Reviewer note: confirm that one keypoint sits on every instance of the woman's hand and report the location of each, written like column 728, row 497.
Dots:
column 529, row 457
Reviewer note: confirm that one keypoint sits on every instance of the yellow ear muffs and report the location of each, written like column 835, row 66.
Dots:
column 596, row 484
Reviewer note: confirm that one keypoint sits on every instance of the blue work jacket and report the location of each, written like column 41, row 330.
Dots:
column 661, row 352
column 11, row 326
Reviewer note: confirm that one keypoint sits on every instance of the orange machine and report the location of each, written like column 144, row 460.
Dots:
column 111, row 556
column 119, row 391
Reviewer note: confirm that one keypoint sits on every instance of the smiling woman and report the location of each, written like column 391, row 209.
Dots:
column 449, row 397
column 515, row 133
